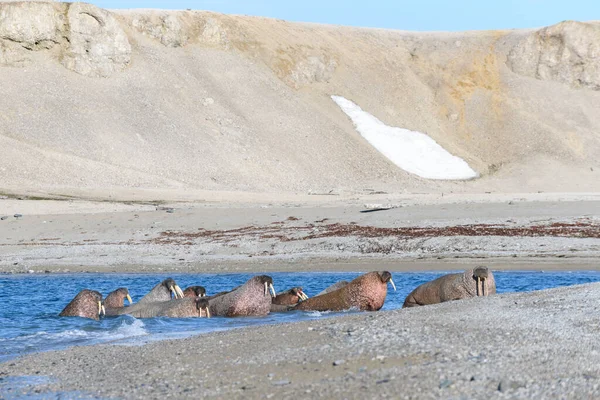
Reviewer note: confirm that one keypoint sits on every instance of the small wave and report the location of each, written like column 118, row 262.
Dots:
column 131, row 327
column 44, row 340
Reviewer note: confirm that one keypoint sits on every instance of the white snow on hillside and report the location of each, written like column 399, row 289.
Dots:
column 414, row 152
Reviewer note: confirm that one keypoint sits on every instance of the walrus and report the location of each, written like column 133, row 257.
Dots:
column 335, row 286
column 471, row 283
column 87, row 304
column 116, row 298
column 187, row 307
column 251, row 298
column 365, row 293
column 290, row 297
column 162, row 292
column 283, row 300
column 194, row 291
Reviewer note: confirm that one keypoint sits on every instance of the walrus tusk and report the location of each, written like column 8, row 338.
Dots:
column 272, row 290
column 207, row 312
column 477, row 290
column 101, row 309
column 266, row 286
column 302, row 296
column 393, row 285
column 129, row 299
column 484, row 287
column 177, row 292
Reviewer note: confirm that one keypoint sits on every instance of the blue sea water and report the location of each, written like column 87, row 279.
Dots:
column 30, row 304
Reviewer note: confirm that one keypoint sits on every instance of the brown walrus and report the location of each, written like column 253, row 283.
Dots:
column 283, row 300
column 471, row 283
column 194, row 291
column 162, row 292
column 335, row 286
column 87, row 304
column 290, row 297
column 187, row 307
column 365, row 293
column 252, row 298
column 116, row 298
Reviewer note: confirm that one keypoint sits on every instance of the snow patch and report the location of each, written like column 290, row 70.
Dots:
column 414, row 152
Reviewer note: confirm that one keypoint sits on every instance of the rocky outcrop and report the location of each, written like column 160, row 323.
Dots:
column 88, row 39
column 26, row 27
column 165, row 27
column 97, row 44
column 568, row 52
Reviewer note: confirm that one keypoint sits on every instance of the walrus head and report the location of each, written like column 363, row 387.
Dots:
column 385, row 277
column 480, row 274
column 87, row 304
column 173, row 288
column 202, row 306
column 116, row 298
column 268, row 282
column 297, row 291
column 195, row 291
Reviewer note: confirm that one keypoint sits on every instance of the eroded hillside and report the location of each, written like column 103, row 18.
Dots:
column 156, row 104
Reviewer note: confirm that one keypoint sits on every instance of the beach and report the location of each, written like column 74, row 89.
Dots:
column 559, row 232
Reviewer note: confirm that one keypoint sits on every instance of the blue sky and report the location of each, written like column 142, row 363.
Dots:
column 417, row 15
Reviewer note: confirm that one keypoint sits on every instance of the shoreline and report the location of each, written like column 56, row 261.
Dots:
column 369, row 355
column 557, row 235
column 325, row 266
column 521, row 345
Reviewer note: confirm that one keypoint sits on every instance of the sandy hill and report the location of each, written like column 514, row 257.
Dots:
column 181, row 104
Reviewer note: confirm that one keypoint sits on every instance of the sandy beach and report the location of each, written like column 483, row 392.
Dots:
column 78, row 236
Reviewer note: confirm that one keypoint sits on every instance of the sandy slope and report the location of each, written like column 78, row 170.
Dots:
column 197, row 102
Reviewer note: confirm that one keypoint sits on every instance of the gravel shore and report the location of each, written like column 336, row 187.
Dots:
column 187, row 237
column 527, row 345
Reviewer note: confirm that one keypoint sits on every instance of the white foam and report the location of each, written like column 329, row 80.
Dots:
column 414, row 152
column 127, row 330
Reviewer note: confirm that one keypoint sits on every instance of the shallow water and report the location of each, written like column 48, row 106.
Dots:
column 30, row 304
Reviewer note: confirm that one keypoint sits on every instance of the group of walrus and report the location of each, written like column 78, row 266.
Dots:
column 257, row 297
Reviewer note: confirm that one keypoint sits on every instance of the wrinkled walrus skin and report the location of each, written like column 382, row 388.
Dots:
column 365, row 293
column 162, row 292
column 250, row 299
column 453, row 287
column 187, row 307
column 87, row 304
